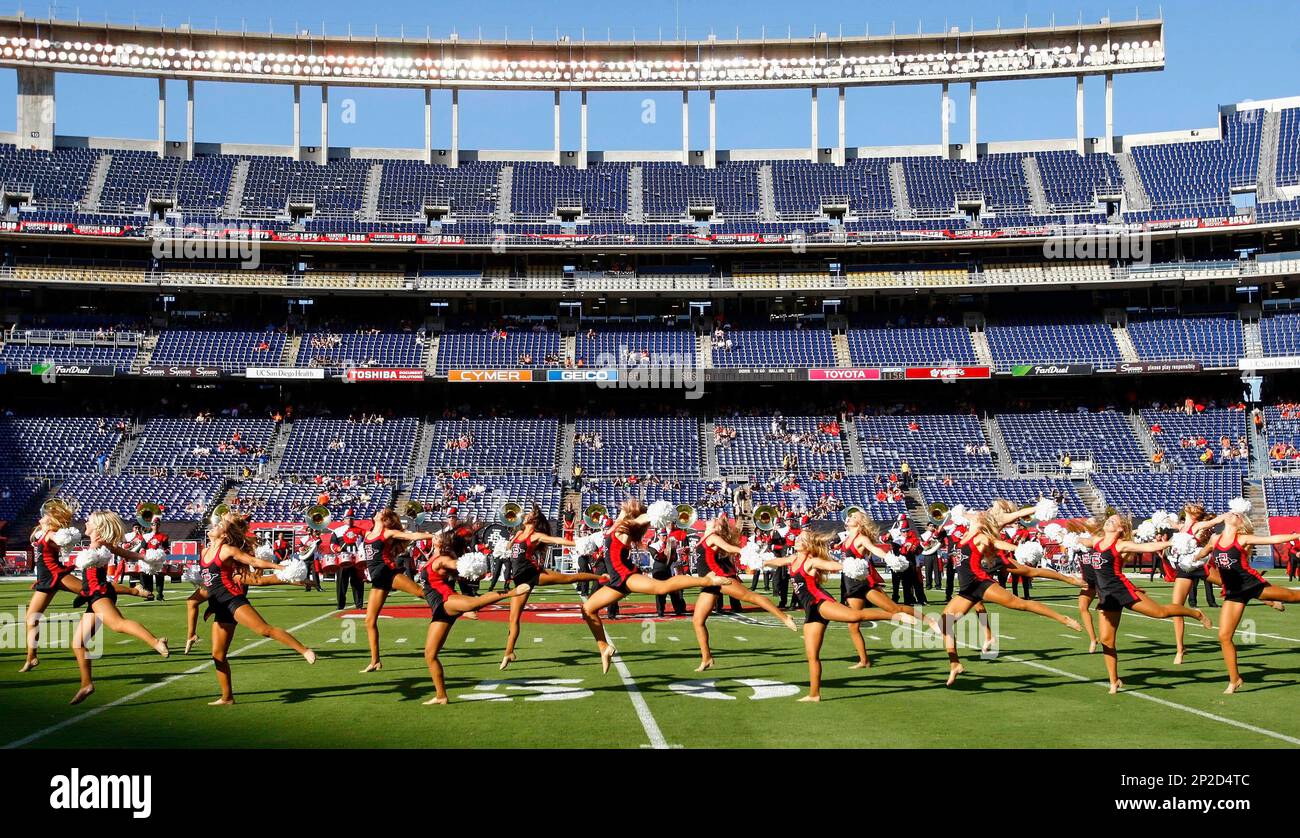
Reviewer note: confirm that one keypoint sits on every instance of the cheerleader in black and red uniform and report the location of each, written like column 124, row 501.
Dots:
column 1116, row 592
column 229, row 541
column 381, row 546
column 53, row 574
column 527, row 568
column 1195, row 524
column 99, row 595
column 1084, row 553
column 716, row 557
column 808, row 566
column 625, row 577
column 977, row 586
column 1229, row 566
column 863, row 541
column 445, row 605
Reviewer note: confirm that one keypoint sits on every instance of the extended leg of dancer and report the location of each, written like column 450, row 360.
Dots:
column 251, row 620
column 1109, row 628
column 1001, row 596
column 813, row 633
column 85, row 632
column 374, row 605
column 855, row 635
column 700, row 622
column 740, row 592
column 1086, row 596
column 222, row 633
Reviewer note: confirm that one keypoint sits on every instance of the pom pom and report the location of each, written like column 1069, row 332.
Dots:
column 1030, row 553
column 1239, row 505
column 1164, row 520
column 97, row 557
column 895, row 562
column 501, row 546
column 1145, row 532
column 66, row 536
column 662, row 514
column 1046, row 509
column 265, row 553
column 1071, row 541
column 292, row 571
column 472, row 566
column 589, row 544
column 153, row 560
column 752, row 556
column 1053, row 532
column 193, row 574
column 957, row 514
column 1183, row 548
column 855, row 568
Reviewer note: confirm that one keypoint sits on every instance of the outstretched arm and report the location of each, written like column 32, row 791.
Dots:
column 408, row 536
column 1143, row 547
column 552, row 539
column 723, row 545
column 1268, row 539
column 1004, row 518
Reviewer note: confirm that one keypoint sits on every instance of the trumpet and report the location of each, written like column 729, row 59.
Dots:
column 687, row 515
column 594, row 515
column 147, row 513
column 218, row 512
column 765, row 517
column 318, row 518
column 512, row 514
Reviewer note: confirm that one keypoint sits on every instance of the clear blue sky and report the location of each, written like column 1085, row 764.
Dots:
column 1217, row 53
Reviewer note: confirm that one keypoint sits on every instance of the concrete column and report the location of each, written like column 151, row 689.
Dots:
column 840, row 150
column 1078, row 114
column 35, row 125
column 972, row 152
column 189, row 119
column 162, row 117
column 944, row 110
column 556, row 126
column 324, row 125
column 297, row 122
column 686, row 128
column 812, row 110
column 455, row 129
column 428, row 125
column 582, row 131
column 1110, row 112
column 712, row 160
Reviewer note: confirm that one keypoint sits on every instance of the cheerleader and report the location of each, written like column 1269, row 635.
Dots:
column 862, row 540
column 99, row 595
column 715, row 556
column 1109, row 552
column 1229, row 566
column 625, row 577
column 1090, row 527
column 527, row 569
column 229, row 541
column 247, row 579
column 977, row 586
column 53, row 574
column 808, row 566
column 381, row 546
column 445, row 605
column 1195, row 524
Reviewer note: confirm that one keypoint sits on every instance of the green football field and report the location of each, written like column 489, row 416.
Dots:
column 1042, row 690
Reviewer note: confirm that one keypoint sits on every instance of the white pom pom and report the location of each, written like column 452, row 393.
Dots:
column 1164, row 520
column 855, row 568
column 193, row 574
column 895, row 562
column 662, row 514
column 98, row 557
column 1145, row 532
column 589, row 544
column 501, row 546
column 957, row 514
column 265, row 553
column 1030, row 553
column 1053, row 532
column 153, row 560
column 66, row 536
column 1046, row 509
column 293, row 571
column 1183, row 548
column 752, row 556
column 1239, row 505
column 472, row 566
column 1070, row 541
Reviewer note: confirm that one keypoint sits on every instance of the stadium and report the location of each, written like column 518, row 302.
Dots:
column 628, row 387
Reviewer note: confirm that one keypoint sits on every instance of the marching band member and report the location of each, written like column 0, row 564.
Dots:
column 1195, row 524
column 908, row 546
column 931, row 556
column 155, row 539
column 625, row 577
column 527, row 568
column 99, row 595
column 1230, row 567
column 445, row 605
column 53, row 574
column 781, row 543
column 381, row 547
column 347, row 543
column 1110, row 551
column 808, row 565
column 664, row 548
column 229, row 542
column 716, row 558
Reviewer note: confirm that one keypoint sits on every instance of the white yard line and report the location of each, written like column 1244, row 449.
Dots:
column 647, row 719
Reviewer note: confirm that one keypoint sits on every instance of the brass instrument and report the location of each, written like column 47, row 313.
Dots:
column 594, row 515
column 766, row 517
column 318, row 518
column 938, row 511
column 686, row 515
column 512, row 514
column 147, row 513
column 219, row 511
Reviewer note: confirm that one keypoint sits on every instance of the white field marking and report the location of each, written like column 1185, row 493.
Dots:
column 648, row 722
column 95, row 711
column 332, row 640
column 673, row 639
column 537, row 640
column 1137, row 636
column 874, row 636
column 123, row 642
column 1006, row 637
column 1070, row 636
column 400, row 640
column 741, row 639
column 469, row 640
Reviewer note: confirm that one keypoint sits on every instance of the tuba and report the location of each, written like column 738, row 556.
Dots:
column 765, row 517
column 147, row 513
column 594, row 515
column 686, row 515
column 512, row 514
column 938, row 512
column 218, row 512
column 318, row 518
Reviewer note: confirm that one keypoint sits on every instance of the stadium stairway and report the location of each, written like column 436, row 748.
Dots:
column 898, row 186
column 370, row 199
column 289, row 358
column 1266, row 174
column 1258, row 451
column 1135, row 192
column 1091, row 498
column 840, row 344
column 95, row 186
column 505, row 187
column 917, row 510
column 279, row 442
column 1124, row 341
column 1001, row 454
column 144, row 354
column 635, row 195
column 709, row 450
column 235, row 197
column 1034, row 180
column 130, row 442
column 704, row 350
column 1251, row 338
column 418, row 465
column 564, row 456
column 766, row 194
column 569, row 348
column 853, row 445
column 1254, row 492
column 431, row 355
column 1143, row 434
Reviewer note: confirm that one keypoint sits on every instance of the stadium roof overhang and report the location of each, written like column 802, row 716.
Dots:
column 336, row 60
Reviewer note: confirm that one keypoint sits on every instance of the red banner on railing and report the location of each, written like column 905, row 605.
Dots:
column 946, row 373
